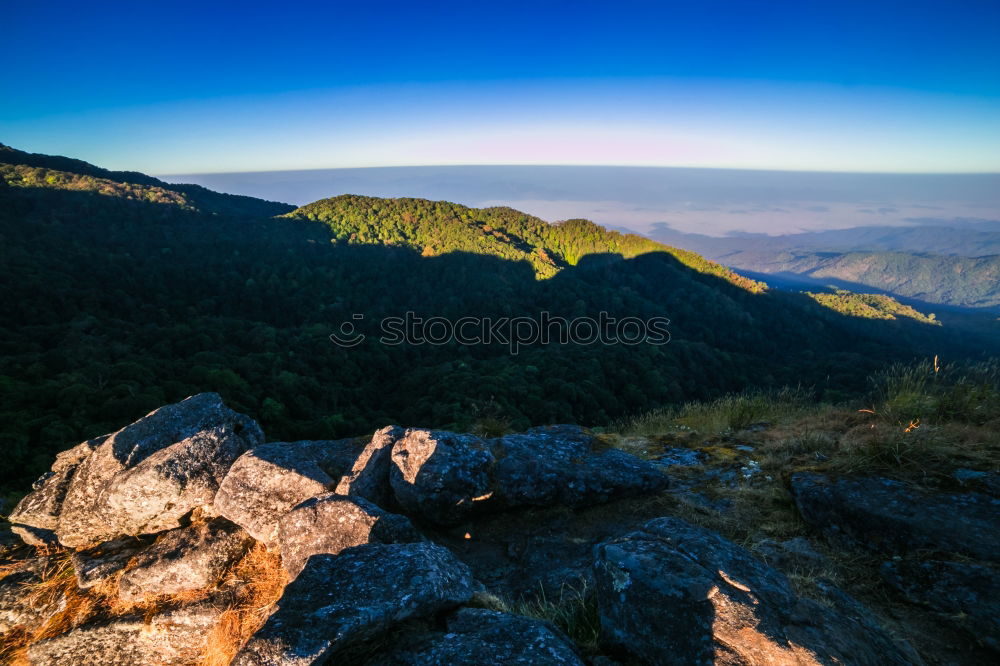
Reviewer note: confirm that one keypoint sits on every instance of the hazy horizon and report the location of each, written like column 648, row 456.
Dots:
column 641, row 199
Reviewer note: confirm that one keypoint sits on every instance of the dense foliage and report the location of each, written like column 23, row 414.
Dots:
column 436, row 227
column 869, row 306
column 122, row 293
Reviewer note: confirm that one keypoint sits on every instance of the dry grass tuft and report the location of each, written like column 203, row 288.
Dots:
column 56, row 590
column 259, row 579
column 574, row 612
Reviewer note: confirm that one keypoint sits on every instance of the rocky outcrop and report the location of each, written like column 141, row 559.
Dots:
column 331, row 523
column 184, row 514
column 911, row 525
column 445, row 477
column 368, row 474
column 184, row 560
column 440, row 475
column 893, row 518
column 174, row 637
column 36, row 517
column 476, row 636
column 265, row 483
column 340, row 600
column 146, row 477
column 673, row 593
column 966, row 595
column 567, row 465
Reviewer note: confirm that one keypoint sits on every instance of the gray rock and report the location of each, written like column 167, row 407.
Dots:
column 673, row 593
column 678, row 456
column 35, row 536
column 147, row 476
column 331, row 523
column 439, row 476
column 445, row 477
column 842, row 625
column 368, row 476
column 265, row 483
column 95, row 565
column 340, row 600
column 476, row 636
column 36, row 516
column 174, row 637
column 986, row 482
column 967, row 595
column 893, row 518
column 183, row 560
column 796, row 553
column 567, row 465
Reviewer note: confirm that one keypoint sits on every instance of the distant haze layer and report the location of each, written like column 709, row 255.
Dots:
column 706, row 201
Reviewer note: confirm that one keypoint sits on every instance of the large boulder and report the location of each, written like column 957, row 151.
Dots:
column 36, row 517
column 894, row 518
column 265, row 483
column 965, row 594
column 674, row 593
column 339, row 600
column 184, row 560
column 439, row 476
column 331, row 523
column 146, row 477
column 476, row 636
column 445, row 477
column 175, row 636
column 567, row 465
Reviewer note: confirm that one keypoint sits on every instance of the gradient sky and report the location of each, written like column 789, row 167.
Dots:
column 190, row 87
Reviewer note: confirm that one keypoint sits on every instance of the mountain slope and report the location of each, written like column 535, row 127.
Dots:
column 436, row 227
column 953, row 266
column 21, row 169
column 123, row 295
column 969, row 282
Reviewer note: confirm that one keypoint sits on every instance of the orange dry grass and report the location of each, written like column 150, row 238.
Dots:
column 259, row 580
column 56, row 589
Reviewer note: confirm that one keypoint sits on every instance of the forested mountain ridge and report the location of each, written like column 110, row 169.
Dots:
column 436, row 227
column 120, row 296
column 21, row 169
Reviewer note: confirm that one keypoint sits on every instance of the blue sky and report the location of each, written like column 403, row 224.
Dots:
column 215, row 87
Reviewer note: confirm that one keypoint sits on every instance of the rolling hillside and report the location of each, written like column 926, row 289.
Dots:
column 123, row 293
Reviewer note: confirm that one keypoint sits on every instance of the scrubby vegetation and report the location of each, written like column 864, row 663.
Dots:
column 932, row 424
column 920, row 421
